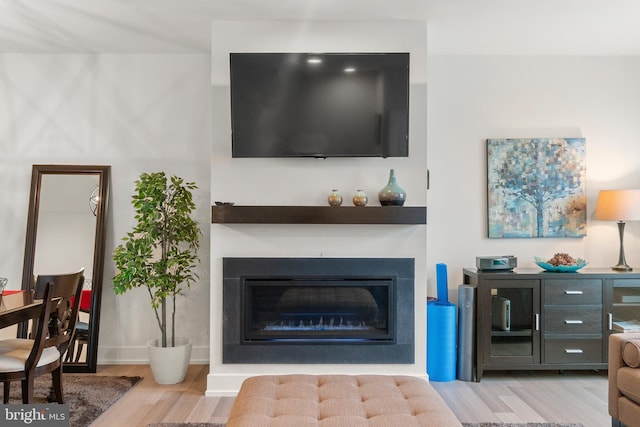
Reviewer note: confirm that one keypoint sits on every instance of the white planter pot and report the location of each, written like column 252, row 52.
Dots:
column 169, row 364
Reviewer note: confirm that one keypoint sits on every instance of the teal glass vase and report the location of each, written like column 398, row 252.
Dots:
column 392, row 194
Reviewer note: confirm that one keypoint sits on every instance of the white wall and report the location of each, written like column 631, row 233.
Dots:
column 474, row 97
column 134, row 112
column 309, row 181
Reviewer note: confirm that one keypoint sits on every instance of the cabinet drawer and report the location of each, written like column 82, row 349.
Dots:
column 573, row 291
column 573, row 351
column 572, row 319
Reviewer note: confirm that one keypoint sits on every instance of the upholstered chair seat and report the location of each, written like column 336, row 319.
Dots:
column 14, row 354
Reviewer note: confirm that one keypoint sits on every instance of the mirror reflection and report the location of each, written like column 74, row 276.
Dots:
column 65, row 232
column 66, row 216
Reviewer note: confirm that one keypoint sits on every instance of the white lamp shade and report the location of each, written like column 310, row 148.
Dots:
column 618, row 205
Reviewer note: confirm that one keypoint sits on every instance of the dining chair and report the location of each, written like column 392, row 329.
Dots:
column 81, row 337
column 22, row 359
column 78, row 342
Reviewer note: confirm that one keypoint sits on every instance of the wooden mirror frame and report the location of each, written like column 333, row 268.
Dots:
column 103, row 173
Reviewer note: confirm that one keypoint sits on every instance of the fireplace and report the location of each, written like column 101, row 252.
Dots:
column 318, row 310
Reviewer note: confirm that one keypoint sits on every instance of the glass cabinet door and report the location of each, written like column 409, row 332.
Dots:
column 623, row 305
column 513, row 313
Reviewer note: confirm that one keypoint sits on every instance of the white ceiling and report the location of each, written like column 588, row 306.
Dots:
column 578, row 27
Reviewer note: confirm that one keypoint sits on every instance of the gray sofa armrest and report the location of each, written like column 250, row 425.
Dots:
column 616, row 344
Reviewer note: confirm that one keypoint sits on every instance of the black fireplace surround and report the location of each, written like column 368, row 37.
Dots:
column 318, row 310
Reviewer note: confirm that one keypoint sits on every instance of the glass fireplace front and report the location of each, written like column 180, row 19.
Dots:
column 326, row 310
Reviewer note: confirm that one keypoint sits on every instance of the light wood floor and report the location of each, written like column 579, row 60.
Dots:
column 530, row 396
column 500, row 396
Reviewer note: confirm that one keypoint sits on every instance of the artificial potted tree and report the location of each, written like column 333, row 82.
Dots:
column 160, row 254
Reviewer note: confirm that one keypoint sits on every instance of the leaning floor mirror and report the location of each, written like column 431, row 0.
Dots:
column 66, row 230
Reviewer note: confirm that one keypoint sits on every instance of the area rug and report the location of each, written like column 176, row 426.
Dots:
column 464, row 424
column 186, row 425
column 88, row 396
column 522, row 425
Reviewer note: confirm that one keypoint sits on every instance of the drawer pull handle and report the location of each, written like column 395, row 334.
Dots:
column 573, row 292
column 573, row 322
column 573, row 351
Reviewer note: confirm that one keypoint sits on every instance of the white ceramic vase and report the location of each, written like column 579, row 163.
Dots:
column 169, row 364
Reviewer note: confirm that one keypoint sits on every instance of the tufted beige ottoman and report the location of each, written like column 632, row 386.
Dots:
column 339, row 401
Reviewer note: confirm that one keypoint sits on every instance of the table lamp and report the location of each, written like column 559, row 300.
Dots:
column 621, row 206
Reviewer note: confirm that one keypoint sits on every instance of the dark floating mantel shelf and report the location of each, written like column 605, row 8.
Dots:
column 408, row 215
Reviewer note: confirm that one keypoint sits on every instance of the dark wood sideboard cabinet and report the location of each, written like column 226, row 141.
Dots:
column 530, row 319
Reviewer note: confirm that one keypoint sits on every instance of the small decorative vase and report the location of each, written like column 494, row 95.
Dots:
column 360, row 199
column 391, row 194
column 335, row 198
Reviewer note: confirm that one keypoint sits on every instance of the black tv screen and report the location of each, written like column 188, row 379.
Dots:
column 320, row 105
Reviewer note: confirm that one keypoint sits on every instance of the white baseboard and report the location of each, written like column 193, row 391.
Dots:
column 138, row 355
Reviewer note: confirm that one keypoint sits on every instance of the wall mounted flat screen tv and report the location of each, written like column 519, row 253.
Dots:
column 320, row 105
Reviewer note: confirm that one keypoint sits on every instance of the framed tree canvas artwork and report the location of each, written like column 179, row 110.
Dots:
column 536, row 187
